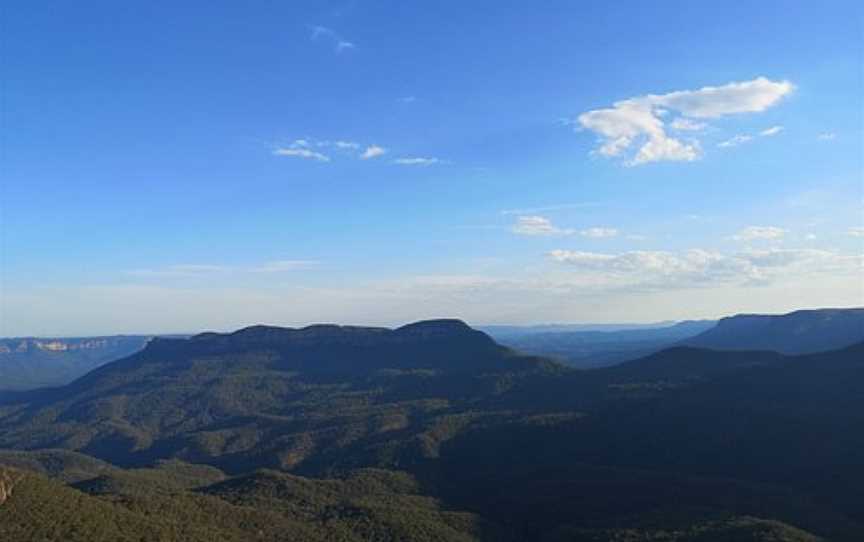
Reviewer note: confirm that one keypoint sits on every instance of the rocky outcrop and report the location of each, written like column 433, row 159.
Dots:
column 8, row 479
column 9, row 346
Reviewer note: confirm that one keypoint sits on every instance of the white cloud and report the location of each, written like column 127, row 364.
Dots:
column 855, row 232
column 745, row 138
column 733, row 98
column 416, row 161
column 735, row 141
column 373, row 151
column 311, row 148
column 408, row 99
column 827, row 136
column 683, row 124
column 697, row 267
column 599, row 233
column 339, row 44
column 628, row 122
column 639, row 121
column 537, row 225
column 541, row 226
column 753, row 233
column 671, row 286
column 302, row 153
column 785, row 257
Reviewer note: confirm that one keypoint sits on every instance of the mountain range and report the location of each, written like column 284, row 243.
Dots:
column 799, row 332
column 433, row 431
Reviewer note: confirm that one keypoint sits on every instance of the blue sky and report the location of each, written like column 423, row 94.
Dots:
column 212, row 165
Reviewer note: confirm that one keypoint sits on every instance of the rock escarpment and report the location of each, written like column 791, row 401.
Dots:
column 8, row 479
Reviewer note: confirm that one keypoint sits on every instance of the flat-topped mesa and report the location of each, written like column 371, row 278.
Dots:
column 262, row 334
column 280, row 338
column 426, row 329
column 444, row 344
column 9, row 478
column 444, row 327
column 799, row 332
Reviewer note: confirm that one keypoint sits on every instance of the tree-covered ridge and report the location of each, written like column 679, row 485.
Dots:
column 369, row 504
column 267, row 397
column 143, row 505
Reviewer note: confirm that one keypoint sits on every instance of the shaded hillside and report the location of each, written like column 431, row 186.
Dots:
column 799, row 332
column 745, row 433
column 29, row 363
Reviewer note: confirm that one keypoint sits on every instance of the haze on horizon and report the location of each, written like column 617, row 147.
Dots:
column 174, row 169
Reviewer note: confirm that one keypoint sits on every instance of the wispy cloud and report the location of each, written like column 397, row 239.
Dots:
column 855, row 232
column 534, row 225
column 746, row 138
column 827, row 136
column 417, row 161
column 302, row 153
column 638, row 122
column 373, row 151
column 736, row 140
column 698, row 267
column 339, row 43
column 754, row 233
column 408, row 99
column 323, row 150
column 599, row 233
